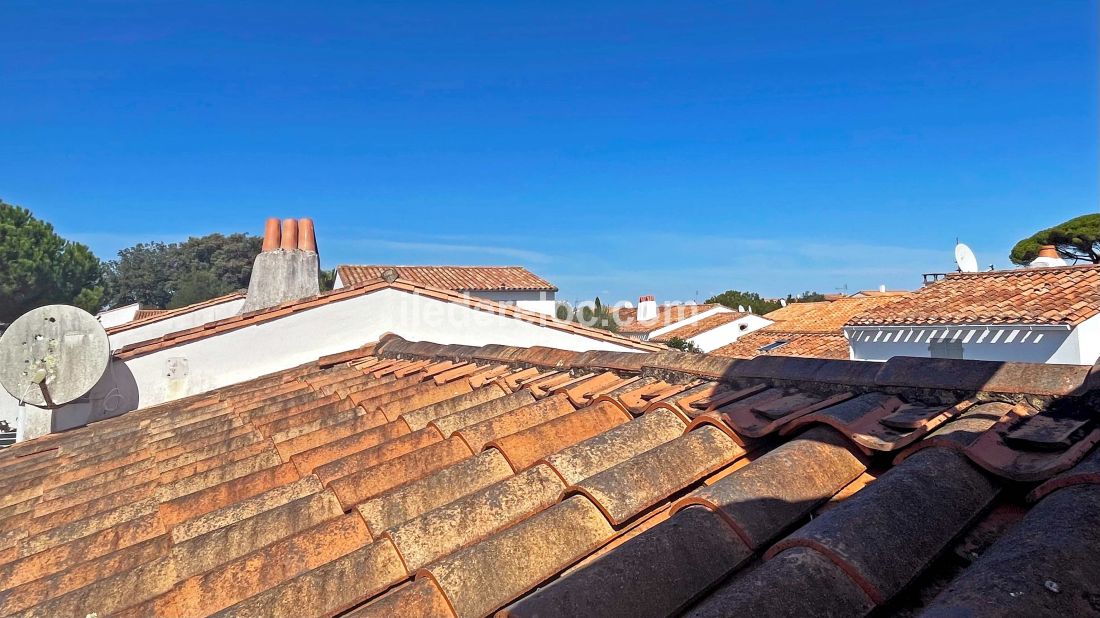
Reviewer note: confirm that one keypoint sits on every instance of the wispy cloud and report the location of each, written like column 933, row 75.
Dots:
column 522, row 254
column 442, row 245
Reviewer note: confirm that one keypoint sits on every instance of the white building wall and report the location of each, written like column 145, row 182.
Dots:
column 689, row 320
column 253, row 351
column 1086, row 336
column 118, row 315
column 728, row 333
column 1029, row 344
column 177, row 323
column 539, row 302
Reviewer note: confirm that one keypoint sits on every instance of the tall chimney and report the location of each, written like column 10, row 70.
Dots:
column 287, row 268
column 647, row 308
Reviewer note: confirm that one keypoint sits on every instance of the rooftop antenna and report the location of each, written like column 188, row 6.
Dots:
column 53, row 355
column 965, row 259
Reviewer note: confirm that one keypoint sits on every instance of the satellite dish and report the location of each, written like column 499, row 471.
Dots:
column 965, row 259
column 53, row 355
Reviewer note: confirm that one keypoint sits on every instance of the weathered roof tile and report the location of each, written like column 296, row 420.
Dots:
column 483, row 577
column 441, row 531
column 526, row 447
column 447, row 485
column 626, row 489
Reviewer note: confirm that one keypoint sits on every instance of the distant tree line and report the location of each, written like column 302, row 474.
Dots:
column 38, row 267
column 758, row 304
column 171, row 275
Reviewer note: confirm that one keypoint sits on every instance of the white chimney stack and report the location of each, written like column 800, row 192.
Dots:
column 882, row 288
column 1048, row 257
column 647, row 308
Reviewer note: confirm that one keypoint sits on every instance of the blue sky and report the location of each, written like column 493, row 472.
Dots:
column 617, row 149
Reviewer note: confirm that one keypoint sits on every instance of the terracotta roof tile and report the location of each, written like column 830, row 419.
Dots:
column 691, row 551
column 362, row 485
column 524, row 448
column 420, row 597
column 330, row 447
column 457, row 278
column 223, row 545
column 254, row 573
column 811, row 585
column 477, row 435
column 667, row 315
column 1065, row 295
column 449, row 484
column 309, row 492
column 451, row 423
column 807, row 329
column 483, row 577
column 420, row 417
column 781, row 343
column 465, row 521
column 331, row 587
column 628, row 488
column 369, row 457
column 615, row 445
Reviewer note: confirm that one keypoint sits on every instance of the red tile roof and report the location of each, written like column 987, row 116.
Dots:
column 806, row 329
column 781, row 343
column 827, row 316
column 1065, row 295
column 403, row 479
column 456, row 278
column 666, row 316
column 699, row 327
column 142, row 314
column 288, row 308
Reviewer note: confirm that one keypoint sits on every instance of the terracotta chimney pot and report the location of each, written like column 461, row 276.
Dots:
column 290, row 235
column 1048, row 251
column 307, row 240
column 271, row 235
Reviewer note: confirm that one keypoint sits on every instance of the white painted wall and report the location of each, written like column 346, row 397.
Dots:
column 177, row 323
column 728, row 333
column 118, row 315
column 1029, row 344
column 539, row 302
column 688, row 320
column 1087, row 337
column 253, row 351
